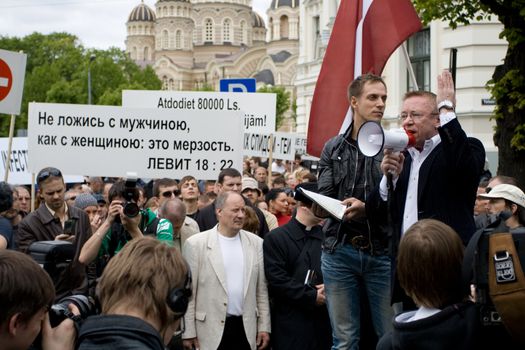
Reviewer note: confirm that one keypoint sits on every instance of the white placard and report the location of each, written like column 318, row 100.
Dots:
column 12, row 73
column 154, row 143
column 300, row 147
column 257, row 145
column 19, row 173
column 258, row 108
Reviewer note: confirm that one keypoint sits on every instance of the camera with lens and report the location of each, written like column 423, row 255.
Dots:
column 59, row 311
column 130, row 208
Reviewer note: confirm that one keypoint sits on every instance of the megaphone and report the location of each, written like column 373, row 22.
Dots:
column 372, row 139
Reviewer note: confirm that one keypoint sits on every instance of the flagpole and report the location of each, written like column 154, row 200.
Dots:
column 9, row 144
column 409, row 66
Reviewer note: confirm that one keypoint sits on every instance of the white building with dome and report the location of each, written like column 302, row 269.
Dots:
column 195, row 43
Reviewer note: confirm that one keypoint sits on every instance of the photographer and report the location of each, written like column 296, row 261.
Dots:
column 143, row 293
column 124, row 222
column 26, row 292
column 55, row 220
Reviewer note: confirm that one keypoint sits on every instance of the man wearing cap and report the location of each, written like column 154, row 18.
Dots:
column 507, row 197
column 89, row 205
column 292, row 264
column 250, row 190
column 56, row 220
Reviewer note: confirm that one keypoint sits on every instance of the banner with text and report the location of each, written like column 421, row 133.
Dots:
column 154, row 143
column 258, row 108
column 19, row 173
column 300, row 147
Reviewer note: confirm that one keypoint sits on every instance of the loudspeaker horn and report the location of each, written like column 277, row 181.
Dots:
column 372, row 139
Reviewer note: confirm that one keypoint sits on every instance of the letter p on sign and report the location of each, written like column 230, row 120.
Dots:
column 12, row 73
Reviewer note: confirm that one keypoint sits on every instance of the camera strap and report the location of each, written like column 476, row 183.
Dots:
column 507, row 283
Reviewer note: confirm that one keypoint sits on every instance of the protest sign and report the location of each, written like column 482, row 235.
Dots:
column 154, row 143
column 258, row 108
column 19, row 174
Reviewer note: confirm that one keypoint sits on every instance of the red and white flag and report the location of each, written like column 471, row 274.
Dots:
column 365, row 34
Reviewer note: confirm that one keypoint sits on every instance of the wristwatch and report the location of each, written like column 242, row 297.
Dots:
column 447, row 104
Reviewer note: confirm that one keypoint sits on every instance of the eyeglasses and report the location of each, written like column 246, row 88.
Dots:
column 44, row 175
column 414, row 115
column 168, row 194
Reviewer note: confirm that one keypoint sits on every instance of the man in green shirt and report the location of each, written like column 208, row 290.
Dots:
column 119, row 228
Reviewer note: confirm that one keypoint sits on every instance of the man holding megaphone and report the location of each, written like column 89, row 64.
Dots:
column 436, row 177
column 354, row 260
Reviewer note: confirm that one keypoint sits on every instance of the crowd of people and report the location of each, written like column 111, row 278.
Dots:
column 249, row 261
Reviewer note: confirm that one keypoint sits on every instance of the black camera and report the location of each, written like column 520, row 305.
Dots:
column 130, row 209
column 59, row 311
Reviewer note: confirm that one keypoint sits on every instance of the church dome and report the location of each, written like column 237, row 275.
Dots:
column 142, row 13
column 283, row 3
column 257, row 20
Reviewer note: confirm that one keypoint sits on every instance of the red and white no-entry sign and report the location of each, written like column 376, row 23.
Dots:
column 12, row 73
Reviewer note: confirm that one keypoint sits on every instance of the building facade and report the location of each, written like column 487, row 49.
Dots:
column 192, row 44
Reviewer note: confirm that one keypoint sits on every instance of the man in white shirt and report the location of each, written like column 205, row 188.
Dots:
column 229, row 308
column 439, row 176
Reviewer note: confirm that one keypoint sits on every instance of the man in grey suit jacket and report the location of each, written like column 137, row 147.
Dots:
column 229, row 308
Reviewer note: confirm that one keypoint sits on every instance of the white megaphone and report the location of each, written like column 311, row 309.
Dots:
column 372, row 139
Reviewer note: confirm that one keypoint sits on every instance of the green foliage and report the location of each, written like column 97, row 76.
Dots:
column 57, row 70
column 283, row 102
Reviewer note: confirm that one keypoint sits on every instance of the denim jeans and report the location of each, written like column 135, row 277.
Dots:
column 344, row 272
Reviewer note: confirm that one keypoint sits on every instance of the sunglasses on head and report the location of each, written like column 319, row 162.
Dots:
column 168, row 194
column 488, row 189
column 44, row 175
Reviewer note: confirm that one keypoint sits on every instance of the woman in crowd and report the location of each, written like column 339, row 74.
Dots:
column 278, row 205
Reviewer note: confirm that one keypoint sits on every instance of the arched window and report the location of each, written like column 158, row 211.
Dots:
column 164, row 83
column 208, row 30
column 178, row 39
column 171, row 85
column 226, row 29
column 146, row 53
column 270, row 26
column 284, row 27
column 165, row 39
column 244, row 33
column 171, row 11
column 178, row 11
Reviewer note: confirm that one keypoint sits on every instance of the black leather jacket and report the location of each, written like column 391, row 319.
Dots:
column 338, row 173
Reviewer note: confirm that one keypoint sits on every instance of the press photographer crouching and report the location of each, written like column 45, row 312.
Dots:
column 26, row 292
column 143, row 293
column 124, row 222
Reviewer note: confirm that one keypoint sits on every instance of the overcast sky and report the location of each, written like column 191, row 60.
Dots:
column 97, row 23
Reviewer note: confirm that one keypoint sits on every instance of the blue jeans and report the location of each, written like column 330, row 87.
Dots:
column 345, row 271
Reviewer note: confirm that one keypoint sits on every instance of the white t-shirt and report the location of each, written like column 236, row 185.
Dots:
column 233, row 259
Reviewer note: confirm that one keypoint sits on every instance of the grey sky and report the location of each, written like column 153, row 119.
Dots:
column 97, row 23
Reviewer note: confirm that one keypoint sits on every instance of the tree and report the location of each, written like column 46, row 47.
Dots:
column 508, row 81
column 57, row 67
column 283, row 102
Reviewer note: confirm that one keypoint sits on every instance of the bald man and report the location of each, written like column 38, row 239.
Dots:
column 184, row 227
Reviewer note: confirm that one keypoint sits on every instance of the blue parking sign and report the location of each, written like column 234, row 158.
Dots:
column 237, row 85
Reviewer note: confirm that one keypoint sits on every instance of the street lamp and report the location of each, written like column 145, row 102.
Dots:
column 91, row 59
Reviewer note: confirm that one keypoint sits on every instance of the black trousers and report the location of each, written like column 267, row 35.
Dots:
column 234, row 337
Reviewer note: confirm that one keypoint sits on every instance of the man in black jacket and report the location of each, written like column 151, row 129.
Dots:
column 56, row 220
column 354, row 262
column 298, row 303
column 438, row 177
